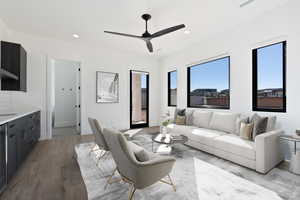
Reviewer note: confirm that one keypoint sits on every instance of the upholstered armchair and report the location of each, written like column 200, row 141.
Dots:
column 100, row 143
column 137, row 166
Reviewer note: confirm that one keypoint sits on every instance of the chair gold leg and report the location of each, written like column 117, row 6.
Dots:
column 169, row 183
column 109, row 179
column 131, row 193
column 173, row 185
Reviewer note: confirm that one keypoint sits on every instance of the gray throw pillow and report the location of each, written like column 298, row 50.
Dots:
column 142, row 156
column 260, row 125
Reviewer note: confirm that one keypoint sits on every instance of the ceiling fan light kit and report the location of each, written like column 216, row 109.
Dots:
column 146, row 36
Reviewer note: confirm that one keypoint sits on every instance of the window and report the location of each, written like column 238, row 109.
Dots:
column 269, row 64
column 208, row 84
column 172, row 88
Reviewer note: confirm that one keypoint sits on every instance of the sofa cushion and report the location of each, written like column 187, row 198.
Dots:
column 201, row 118
column 235, row 145
column 204, row 136
column 224, row 122
column 175, row 129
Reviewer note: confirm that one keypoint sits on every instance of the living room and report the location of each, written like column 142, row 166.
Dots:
column 219, row 69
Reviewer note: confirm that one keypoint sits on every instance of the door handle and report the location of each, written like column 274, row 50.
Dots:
column 12, row 135
column 12, row 125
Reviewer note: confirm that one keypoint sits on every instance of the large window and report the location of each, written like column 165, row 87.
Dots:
column 208, row 84
column 172, row 88
column 269, row 78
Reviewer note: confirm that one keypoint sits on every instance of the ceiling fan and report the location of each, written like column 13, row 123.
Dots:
column 147, row 37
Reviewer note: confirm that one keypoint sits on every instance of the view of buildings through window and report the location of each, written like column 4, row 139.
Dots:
column 268, row 80
column 208, row 84
column 172, row 88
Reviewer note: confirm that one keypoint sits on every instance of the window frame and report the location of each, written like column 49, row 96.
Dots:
column 255, row 84
column 169, row 87
column 189, row 84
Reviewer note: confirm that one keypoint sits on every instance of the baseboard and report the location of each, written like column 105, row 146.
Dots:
column 64, row 124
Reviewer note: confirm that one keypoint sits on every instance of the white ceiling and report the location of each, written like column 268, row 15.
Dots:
column 89, row 18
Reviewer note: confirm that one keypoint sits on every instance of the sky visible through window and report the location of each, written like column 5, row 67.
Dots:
column 173, row 76
column 269, row 67
column 144, row 80
column 211, row 75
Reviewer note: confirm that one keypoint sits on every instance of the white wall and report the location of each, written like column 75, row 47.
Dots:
column 92, row 59
column 279, row 24
column 65, row 82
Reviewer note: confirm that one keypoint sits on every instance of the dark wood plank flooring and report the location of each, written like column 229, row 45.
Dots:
column 49, row 173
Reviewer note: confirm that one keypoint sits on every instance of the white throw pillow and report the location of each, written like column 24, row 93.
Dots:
column 201, row 118
column 271, row 123
column 224, row 122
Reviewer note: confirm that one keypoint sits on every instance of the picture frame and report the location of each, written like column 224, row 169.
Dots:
column 107, row 87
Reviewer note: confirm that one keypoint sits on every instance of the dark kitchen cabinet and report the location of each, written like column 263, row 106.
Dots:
column 12, row 163
column 22, row 134
column 2, row 157
column 14, row 60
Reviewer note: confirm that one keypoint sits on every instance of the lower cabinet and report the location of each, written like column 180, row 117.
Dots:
column 2, row 157
column 22, row 135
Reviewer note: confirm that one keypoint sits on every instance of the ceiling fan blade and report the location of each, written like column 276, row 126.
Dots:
column 149, row 46
column 167, row 30
column 123, row 34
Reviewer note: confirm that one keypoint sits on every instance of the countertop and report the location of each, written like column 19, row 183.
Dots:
column 20, row 112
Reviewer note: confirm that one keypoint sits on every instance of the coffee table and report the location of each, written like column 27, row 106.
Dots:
column 295, row 159
column 166, row 142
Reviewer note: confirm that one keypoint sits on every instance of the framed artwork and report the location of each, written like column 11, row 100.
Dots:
column 107, row 88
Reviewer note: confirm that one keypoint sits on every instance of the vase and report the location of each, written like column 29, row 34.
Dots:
column 163, row 131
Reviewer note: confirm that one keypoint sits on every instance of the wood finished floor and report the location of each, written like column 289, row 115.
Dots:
column 49, row 173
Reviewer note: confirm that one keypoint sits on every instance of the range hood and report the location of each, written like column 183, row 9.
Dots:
column 6, row 74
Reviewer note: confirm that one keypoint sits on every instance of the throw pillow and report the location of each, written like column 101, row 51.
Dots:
column 271, row 123
column 178, row 112
column 246, row 130
column 189, row 117
column 142, row 156
column 180, row 120
column 239, row 120
column 260, row 125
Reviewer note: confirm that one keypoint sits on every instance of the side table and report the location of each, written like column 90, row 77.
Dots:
column 295, row 159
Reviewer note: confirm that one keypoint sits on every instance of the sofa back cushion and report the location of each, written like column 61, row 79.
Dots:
column 201, row 118
column 224, row 122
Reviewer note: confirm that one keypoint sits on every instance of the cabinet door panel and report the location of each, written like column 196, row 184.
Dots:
column 11, row 154
column 2, row 157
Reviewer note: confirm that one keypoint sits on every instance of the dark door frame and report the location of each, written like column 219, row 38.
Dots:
column 132, row 126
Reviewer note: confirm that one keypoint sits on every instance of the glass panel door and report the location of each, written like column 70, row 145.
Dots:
column 139, row 99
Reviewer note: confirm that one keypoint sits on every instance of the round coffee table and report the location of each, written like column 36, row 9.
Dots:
column 295, row 159
column 167, row 141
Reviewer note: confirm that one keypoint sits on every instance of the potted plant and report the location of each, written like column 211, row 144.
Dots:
column 165, row 123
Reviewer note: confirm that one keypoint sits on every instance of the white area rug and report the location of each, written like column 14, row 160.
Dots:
column 194, row 179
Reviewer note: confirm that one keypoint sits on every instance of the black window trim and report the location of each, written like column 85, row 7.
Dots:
column 254, row 79
column 189, row 86
column 169, row 87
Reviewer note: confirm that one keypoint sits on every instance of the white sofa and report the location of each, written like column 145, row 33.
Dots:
column 218, row 134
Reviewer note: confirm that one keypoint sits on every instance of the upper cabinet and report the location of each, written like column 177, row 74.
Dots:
column 13, row 62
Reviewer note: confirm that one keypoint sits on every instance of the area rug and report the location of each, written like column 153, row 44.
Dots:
column 195, row 174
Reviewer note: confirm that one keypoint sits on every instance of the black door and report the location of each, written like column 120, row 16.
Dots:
column 2, row 158
column 139, row 99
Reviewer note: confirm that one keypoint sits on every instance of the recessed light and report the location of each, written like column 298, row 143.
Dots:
column 75, row 35
column 187, row 32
